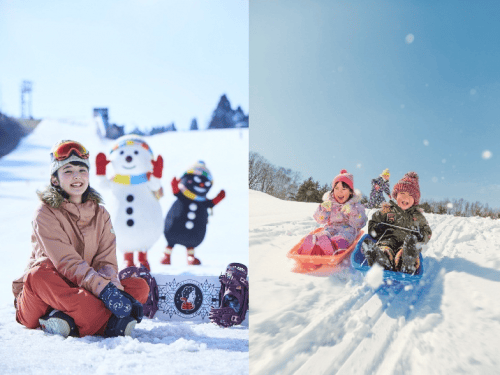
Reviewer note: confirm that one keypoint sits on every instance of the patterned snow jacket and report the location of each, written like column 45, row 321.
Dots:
column 345, row 220
column 78, row 239
column 377, row 195
column 391, row 213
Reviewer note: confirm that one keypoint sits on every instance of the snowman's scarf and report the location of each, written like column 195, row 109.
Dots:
column 126, row 179
column 190, row 195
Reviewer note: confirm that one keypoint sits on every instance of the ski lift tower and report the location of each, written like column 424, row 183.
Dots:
column 26, row 99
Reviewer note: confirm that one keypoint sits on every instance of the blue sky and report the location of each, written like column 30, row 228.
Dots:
column 150, row 62
column 369, row 85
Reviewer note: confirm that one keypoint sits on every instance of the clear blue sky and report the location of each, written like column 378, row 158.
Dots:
column 369, row 85
column 150, row 62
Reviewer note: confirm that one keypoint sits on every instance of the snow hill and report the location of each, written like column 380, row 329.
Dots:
column 155, row 346
column 302, row 324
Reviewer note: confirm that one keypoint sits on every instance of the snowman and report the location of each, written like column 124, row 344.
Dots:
column 134, row 203
column 186, row 221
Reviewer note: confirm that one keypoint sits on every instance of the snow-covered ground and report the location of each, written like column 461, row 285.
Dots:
column 302, row 324
column 156, row 346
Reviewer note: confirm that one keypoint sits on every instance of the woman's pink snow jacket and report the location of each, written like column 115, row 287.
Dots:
column 78, row 239
column 345, row 220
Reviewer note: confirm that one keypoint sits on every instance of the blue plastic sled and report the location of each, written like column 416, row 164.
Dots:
column 359, row 262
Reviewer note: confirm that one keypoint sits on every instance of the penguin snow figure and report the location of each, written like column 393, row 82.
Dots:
column 136, row 189
column 186, row 221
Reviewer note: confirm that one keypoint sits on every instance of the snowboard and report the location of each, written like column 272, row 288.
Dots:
column 358, row 261
column 186, row 297
column 323, row 263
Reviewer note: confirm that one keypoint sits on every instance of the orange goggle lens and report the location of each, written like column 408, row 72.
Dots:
column 64, row 151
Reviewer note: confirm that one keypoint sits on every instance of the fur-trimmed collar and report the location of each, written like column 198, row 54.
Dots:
column 54, row 199
column 328, row 196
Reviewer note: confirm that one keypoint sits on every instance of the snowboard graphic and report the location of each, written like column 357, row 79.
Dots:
column 186, row 297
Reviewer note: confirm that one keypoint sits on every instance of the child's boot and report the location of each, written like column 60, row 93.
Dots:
column 192, row 260
column 340, row 244
column 407, row 259
column 120, row 326
column 325, row 244
column 370, row 250
column 143, row 259
column 385, row 257
column 166, row 257
column 308, row 244
column 129, row 259
column 58, row 323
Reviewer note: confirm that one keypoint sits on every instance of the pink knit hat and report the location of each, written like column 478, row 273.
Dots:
column 344, row 177
column 408, row 184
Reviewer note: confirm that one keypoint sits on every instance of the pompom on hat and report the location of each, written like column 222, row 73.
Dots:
column 386, row 172
column 408, row 184
column 199, row 169
column 346, row 177
column 73, row 149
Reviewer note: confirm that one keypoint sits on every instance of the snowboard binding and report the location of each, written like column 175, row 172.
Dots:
column 151, row 305
column 233, row 297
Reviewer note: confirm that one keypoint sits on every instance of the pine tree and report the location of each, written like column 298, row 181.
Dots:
column 194, row 125
column 309, row 191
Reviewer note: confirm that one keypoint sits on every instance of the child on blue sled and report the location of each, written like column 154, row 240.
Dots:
column 400, row 229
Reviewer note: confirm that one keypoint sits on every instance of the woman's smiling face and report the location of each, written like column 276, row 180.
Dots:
column 74, row 180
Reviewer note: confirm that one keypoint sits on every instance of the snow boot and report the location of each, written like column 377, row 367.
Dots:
column 129, row 259
column 166, row 257
column 407, row 259
column 119, row 326
column 143, row 260
column 191, row 259
column 308, row 245
column 370, row 250
column 385, row 257
column 340, row 244
column 325, row 244
column 58, row 323
column 233, row 297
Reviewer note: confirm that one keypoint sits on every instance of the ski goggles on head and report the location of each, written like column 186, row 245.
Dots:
column 66, row 148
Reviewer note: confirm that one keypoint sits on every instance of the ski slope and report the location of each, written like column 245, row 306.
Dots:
column 338, row 324
column 156, row 346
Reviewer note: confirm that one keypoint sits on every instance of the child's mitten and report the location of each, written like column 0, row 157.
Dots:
column 101, row 162
column 327, row 205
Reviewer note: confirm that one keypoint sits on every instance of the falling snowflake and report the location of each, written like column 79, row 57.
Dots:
column 402, row 106
column 487, row 154
column 358, row 165
column 473, row 91
column 426, row 142
column 409, row 39
column 443, row 161
column 434, row 179
column 449, row 205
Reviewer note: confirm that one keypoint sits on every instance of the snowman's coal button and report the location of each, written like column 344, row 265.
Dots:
column 191, row 215
column 130, row 210
column 130, row 222
column 193, row 206
column 130, row 198
column 189, row 225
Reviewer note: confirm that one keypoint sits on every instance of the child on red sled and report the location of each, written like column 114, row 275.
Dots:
column 342, row 215
column 400, row 229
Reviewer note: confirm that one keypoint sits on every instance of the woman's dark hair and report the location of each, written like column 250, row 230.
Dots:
column 60, row 190
column 344, row 185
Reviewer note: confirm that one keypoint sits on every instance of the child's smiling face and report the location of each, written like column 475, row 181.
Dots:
column 404, row 200
column 341, row 193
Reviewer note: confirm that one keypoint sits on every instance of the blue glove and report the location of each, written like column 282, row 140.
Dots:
column 116, row 301
column 137, row 308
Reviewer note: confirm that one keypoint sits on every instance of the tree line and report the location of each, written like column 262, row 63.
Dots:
column 287, row 184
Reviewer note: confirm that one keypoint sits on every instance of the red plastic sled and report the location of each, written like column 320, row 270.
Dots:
column 310, row 263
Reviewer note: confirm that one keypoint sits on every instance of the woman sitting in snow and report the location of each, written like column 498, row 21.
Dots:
column 71, row 284
column 342, row 215
column 380, row 185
